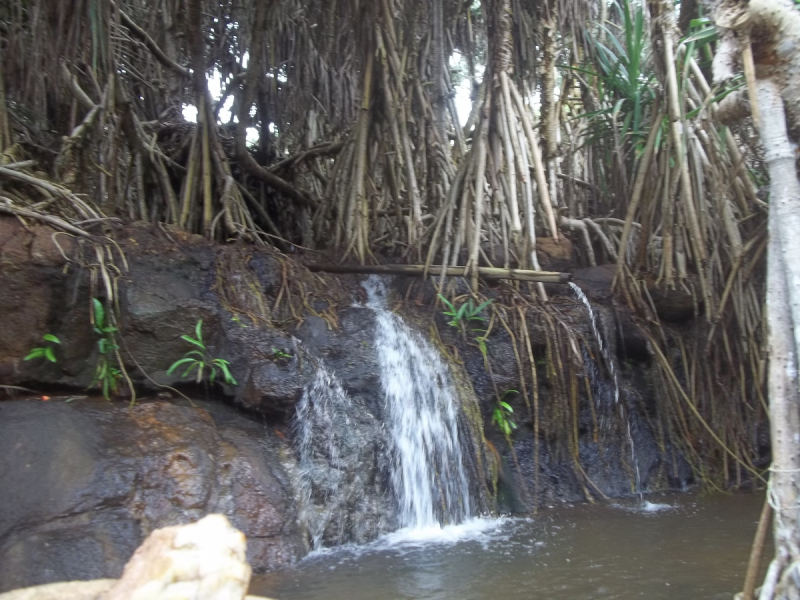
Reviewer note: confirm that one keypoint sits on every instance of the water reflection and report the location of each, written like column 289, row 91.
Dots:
column 692, row 547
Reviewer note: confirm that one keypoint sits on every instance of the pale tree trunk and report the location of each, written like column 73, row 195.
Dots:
column 437, row 66
column 783, row 291
column 765, row 35
column 549, row 27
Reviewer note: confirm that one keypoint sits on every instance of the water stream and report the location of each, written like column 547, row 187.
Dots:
column 428, row 475
column 611, row 364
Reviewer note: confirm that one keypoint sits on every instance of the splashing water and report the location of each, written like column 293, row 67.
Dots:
column 321, row 430
column 612, row 369
column 428, row 473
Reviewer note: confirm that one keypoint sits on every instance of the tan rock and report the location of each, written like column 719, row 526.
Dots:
column 560, row 248
column 73, row 590
column 205, row 560
column 68, row 590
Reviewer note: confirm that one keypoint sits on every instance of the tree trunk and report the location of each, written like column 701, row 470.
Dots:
column 783, row 315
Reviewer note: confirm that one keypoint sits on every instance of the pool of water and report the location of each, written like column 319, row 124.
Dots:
column 670, row 547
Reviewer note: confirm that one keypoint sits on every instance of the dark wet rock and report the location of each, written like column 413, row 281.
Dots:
column 347, row 475
column 84, row 483
column 344, row 494
column 349, row 351
column 675, row 305
column 595, row 281
column 101, row 477
column 173, row 281
column 30, row 287
column 555, row 255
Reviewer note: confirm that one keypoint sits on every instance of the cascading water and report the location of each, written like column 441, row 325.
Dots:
column 338, row 441
column 612, row 369
column 318, row 434
column 428, row 475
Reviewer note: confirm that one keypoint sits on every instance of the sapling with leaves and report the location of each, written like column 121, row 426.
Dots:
column 501, row 415
column 200, row 361
column 106, row 373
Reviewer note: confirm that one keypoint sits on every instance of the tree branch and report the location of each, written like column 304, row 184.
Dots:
column 319, row 150
column 153, row 46
column 490, row 273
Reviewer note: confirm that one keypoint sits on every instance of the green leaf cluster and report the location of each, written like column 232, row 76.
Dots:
column 623, row 76
column 464, row 313
column 278, row 354
column 501, row 415
column 45, row 351
column 106, row 373
column 199, row 360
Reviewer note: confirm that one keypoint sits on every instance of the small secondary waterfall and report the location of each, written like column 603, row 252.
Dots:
column 320, row 427
column 341, row 496
column 428, row 475
column 612, row 369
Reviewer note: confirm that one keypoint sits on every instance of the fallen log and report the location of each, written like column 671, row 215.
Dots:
column 489, row 273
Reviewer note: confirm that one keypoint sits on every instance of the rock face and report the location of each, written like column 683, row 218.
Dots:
column 161, row 464
column 571, row 457
column 84, row 482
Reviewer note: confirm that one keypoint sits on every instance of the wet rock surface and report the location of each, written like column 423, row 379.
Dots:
column 158, row 466
column 571, row 459
column 84, row 482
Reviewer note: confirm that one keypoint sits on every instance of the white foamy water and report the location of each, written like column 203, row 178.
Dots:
column 643, row 506
column 477, row 528
column 428, row 475
column 647, row 506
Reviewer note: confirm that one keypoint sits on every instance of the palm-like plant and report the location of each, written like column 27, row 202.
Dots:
column 624, row 79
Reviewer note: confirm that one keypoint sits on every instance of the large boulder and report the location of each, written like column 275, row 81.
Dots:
column 84, row 483
column 204, row 560
column 166, row 281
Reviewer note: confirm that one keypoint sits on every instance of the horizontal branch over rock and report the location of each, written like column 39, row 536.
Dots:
column 490, row 273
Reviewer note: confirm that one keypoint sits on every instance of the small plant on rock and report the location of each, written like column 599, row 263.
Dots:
column 200, row 361
column 501, row 415
column 45, row 351
column 278, row 354
column 106, row 372
column 464, row 313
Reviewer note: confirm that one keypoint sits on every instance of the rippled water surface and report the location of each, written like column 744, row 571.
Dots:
column 671, row 547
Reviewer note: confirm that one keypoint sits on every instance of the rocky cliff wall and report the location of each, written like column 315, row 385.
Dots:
column 86, row 480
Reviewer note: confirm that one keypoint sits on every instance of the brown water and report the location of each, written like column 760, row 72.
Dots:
column 687, row 547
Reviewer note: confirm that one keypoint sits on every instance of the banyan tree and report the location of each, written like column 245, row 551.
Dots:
column 659, row 140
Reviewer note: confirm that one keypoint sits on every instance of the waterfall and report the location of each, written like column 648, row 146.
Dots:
column 319, row 434
column 612, row 369
column 427, row 470
column 609, row 360
column 340, row 497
